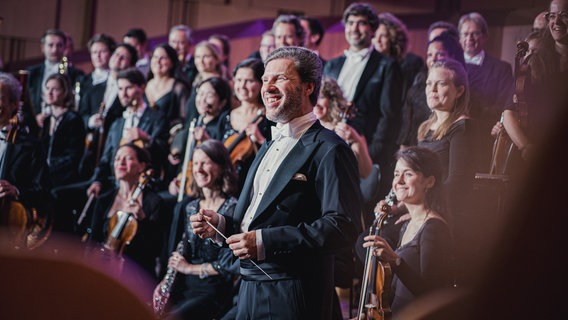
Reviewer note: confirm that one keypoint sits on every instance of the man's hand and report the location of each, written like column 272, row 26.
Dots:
column 243, row 245
column 200, row 226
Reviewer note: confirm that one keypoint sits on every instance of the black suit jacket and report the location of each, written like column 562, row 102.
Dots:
column 25, row 169
column 305, row 222
column 378, row 103
column 491, row 86
column 154, row 124
column 35, row 78
column 91, row 104
column 64, row 148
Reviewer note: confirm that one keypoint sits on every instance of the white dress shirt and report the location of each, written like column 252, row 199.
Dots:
column 352, row 70
column 285, row 137
column 477, row 59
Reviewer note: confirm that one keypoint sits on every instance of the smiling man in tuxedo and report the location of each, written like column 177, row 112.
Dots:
column 299, row 205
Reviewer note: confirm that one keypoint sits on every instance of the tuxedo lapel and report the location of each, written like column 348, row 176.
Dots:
column 290, row 166
column 336, row 68
column 245, row 196
column 145, row 122
column 368, row 72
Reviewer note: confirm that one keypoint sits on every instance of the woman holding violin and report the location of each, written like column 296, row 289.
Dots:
column 213, row 95
column 245, row 127
column 146, row 232
column 203, row 268
column 421, row 261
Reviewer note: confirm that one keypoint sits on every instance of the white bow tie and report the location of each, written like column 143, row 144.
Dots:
column 278, row 133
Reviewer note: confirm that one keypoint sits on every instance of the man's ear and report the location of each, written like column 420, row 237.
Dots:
column 310, row 87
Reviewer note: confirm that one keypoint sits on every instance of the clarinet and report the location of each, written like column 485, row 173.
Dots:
column 167, row 283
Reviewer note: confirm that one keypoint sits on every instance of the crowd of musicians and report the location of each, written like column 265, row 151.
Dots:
column 260, row 191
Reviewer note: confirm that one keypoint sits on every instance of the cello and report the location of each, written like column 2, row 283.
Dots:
column 503, row 146
column 26, row 227
column 375, row 295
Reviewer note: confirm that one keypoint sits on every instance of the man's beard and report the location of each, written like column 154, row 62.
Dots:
column 289, row 109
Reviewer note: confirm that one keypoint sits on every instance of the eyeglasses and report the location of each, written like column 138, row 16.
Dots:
column 563, row 15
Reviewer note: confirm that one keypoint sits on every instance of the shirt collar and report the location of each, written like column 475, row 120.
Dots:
column 294, row 128
column 477, row 59
column 359, row 55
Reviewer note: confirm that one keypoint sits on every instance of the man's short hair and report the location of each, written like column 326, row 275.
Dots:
column 308, row 65
column 293, row 20
column 315, row 27
column 448, row 26
column 362, row 9
column 476, row 18
column 137, row 33
column 133, row 75
column 54, row 32
column 105, row 39
column 185, row 29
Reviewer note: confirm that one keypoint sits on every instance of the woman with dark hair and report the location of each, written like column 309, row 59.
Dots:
column 205, row 269
column 213, row 95
column 248, row 118
column 391, row 39
column 208, row 64
column 63, row 134
column 164, row 91
column 545, row 98
column 421, row 262
column 130, row 162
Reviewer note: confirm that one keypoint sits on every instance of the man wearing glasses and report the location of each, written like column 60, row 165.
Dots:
column 490, row 79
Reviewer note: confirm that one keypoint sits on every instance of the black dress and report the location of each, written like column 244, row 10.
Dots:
column 64, row 148
column 426, row 263
column 458, row 153
column 146, row 245
column 208, row 297
column 171, row 103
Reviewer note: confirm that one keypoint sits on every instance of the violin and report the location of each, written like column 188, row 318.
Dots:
column 94, row 142
column 375, row 295
column 239, row 145
column 185, row 173
column 347, row 113
column 123, row 225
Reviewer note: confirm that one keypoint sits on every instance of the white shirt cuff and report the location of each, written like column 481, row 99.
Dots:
column 259, row 246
